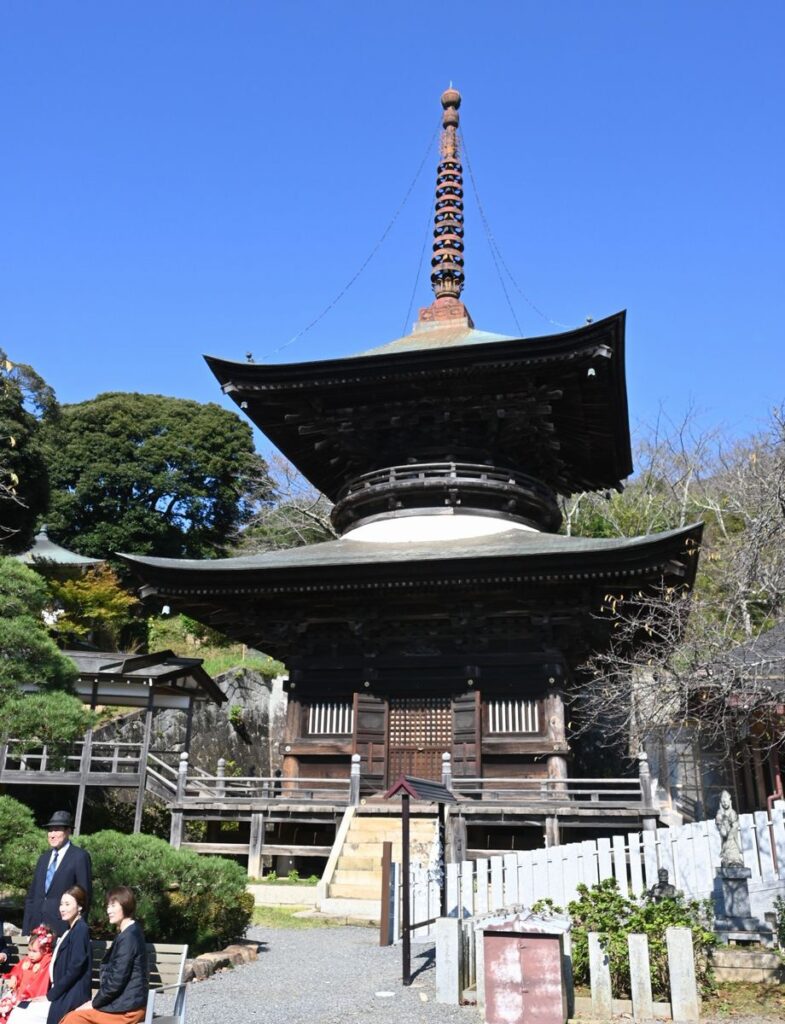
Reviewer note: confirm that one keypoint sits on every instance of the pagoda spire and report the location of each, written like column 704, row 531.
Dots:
column 447, row 261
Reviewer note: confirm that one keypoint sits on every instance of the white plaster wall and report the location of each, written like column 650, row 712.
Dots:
column 432, row 526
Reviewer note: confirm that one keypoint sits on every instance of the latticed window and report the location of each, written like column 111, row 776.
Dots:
column 331, row 718
column 513, row 716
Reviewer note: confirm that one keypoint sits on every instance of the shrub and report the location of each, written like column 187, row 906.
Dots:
column 779, row 906
column 181, row 897
column 21, row 842
column 605, row 910
column 55, row 719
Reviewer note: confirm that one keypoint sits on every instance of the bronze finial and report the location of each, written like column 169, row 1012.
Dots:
column 447, row 260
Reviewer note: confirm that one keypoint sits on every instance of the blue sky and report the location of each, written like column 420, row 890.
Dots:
column 186, row 177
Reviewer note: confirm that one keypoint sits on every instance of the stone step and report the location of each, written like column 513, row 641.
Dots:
column 737, row 964
column 361, row 911
column 365, row 843
column 356, row 862
column 374, row 823
column 348, row 876
column 344, row 890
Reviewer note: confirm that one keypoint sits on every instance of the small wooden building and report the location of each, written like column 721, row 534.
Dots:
column 451, row 614
column 148, row 682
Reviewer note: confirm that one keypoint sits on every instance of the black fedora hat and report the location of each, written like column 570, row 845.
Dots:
column 60, row 819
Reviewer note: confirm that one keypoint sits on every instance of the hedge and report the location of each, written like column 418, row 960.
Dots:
column 181, row 896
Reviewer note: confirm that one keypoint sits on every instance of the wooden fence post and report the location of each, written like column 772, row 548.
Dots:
column 176, row 828
column 447, row 770
column 354, row 781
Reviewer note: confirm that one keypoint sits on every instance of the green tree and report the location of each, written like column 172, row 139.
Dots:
column 152, row 475
column 25, row 400
column 28, row 655
column 95, row 607
column 27, row 652
column 21, row 842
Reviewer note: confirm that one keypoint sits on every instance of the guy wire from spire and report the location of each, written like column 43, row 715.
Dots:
column 368, row 258
column 420, row 262
column 496, row 252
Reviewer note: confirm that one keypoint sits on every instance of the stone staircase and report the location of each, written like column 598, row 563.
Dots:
column 354, row 890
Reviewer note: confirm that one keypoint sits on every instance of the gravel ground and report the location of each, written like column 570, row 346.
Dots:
column 323, row 976
column 334, row 976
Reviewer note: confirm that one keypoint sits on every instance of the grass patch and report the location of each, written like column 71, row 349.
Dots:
column 283, row 917
column 221, row 659
column 763, row 1001
column 275, row 880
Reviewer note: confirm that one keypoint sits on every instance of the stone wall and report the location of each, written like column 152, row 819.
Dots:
column 250, row 747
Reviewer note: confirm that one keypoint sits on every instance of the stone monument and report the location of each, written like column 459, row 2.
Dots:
column 736, row 923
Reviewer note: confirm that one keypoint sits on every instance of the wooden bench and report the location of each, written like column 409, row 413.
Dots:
column 166, row 968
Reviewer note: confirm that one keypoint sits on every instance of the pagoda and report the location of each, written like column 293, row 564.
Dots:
column 450, row 615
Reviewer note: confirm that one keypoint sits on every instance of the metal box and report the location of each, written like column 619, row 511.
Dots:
column 524, row 975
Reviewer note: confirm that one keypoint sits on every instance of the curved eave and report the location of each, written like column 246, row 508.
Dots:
column 286, row 401
column 510, row 558
column 350, row 369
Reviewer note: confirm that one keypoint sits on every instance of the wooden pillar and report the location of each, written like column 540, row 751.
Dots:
column 189, row 725
column 177, row 825
column 84, row 771
column 290, row 766
column 256, row 845
column 760, row 782
column 84, row 764
column 406, row 938
column 746, row 774
column 557, row 736
column 148, row 728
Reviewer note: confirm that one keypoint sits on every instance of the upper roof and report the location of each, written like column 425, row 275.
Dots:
column 439, row 335
column 554, row 407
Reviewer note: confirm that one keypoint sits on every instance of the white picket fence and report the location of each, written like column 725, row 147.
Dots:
column 691, row 854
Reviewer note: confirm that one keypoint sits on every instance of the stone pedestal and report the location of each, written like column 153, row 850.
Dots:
column 736, row 923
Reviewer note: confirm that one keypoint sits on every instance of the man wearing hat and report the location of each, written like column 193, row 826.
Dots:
column 62, row 866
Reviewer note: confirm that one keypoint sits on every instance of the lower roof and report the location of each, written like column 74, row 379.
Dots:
column 542, row 556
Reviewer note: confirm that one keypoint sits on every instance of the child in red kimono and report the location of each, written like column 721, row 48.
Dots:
column 28, row 979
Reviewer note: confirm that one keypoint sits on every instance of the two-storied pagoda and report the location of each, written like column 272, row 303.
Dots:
column 451, row 614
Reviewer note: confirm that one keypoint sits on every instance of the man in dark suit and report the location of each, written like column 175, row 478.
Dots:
column 62, row 866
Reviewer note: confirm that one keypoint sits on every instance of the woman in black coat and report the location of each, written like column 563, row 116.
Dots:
column 124, row 976
column 72, row 965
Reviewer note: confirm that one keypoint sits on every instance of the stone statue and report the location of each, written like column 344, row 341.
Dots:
column 727, row 822
column 663, row 890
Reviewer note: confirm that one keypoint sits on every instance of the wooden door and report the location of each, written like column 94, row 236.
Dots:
column 420, row 732
column 467, row 739
column 370, row 720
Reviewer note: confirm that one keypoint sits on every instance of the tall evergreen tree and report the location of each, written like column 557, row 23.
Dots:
column 152, row 475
